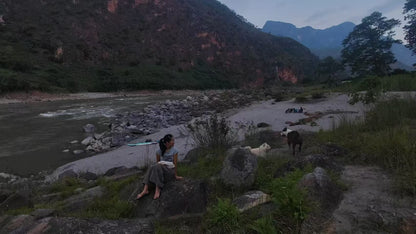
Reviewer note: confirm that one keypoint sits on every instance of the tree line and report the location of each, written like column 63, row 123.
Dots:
column 367, row 49
column 367, row 52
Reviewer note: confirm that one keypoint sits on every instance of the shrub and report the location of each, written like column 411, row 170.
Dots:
column 206, row 167
column 264, row 225
column 301, row 98
column 214, row 132
column 317, row 95
column 66, row 187
column 255, row 138
column 389, row 136
column 223, row 217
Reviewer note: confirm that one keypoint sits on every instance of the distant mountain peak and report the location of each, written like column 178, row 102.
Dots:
column 328, row 42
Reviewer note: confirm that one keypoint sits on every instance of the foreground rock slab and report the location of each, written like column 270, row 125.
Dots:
column 370, row 205
column 239, row 168
column 28, row 224
column 177, row 198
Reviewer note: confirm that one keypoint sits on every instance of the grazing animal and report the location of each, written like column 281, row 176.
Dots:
column 261, row 150
column 293, row 138
column 285, row 131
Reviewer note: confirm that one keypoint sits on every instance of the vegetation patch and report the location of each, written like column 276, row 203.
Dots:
column 386, row 137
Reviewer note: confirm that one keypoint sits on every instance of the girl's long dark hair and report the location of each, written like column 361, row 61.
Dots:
column 162, row 142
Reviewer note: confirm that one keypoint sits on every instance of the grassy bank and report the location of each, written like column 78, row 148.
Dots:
column 386, row 137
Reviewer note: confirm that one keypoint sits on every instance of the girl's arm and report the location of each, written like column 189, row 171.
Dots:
column 157, row 157
column 175, row 161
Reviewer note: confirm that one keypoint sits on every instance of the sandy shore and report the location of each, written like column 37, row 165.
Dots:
column 267, row 111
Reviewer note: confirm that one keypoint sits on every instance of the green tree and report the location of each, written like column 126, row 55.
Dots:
column 367, row 48
column 409, row 10
column 328, row 69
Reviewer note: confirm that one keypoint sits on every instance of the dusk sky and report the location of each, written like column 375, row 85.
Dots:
column 318, row 14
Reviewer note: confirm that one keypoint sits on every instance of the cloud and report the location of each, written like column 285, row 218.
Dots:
column 387, row 7
column 324, row 14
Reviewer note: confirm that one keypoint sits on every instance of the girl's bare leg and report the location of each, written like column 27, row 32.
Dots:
column 157, row 193
column 144, row 192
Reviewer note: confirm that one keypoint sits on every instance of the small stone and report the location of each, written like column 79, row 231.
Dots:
column 87, row 141
column 65, row 151
column 76, row 152
column 42, row 213
column 74, row 142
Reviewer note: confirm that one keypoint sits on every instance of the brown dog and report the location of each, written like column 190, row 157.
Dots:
column 294, row 138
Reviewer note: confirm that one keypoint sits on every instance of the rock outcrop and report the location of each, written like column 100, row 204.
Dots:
column 177, row 198
column 239, row 168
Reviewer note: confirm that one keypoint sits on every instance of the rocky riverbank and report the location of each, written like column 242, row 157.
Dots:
column 134, row 124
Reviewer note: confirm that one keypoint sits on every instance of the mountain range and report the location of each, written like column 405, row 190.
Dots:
column 108, row 45
column 328, row 42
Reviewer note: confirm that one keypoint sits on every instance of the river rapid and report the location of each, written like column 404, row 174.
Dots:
column 34, row 136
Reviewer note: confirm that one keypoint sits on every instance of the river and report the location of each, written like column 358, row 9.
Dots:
column 33, row 136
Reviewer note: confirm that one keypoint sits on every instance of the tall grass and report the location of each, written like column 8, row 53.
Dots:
column 223, row 217
column 386, row 137
column 214, row 132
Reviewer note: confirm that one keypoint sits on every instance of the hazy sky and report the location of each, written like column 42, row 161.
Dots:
column 318, row 14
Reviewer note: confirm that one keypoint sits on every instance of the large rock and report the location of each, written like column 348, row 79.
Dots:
column 15, row 201
column 177, row 198
column 319, row 160
column 119, row 173
column 80, row 201
column 320, row 188
column 239, row 168
column 314, row 160
column 28, row 224
column 67, row 175
column 194, row 155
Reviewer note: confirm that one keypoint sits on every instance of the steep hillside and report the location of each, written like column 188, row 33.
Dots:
column 328, row 42
column 104, row 45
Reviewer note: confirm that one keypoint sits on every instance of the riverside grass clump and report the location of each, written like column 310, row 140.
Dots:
column 292, row 206
column 111, row 206
column 213, row 132
column 223, row 217
column 386, row 137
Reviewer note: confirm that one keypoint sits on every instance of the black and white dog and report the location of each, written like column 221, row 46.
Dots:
column 293, row 138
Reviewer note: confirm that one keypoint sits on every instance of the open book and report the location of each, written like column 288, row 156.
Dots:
column 168, row 164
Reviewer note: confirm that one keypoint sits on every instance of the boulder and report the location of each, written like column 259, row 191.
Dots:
column 67, row 174
column 320, row 188
column 177, row 198
column 42, row 213
column 89, row 128
column 194, row 155
column 251, row 199
column 27, row 224
column 115, row 170
column 80, row 201
column 122, row 172
column 87, row 140
column 15, row 201
column 239, row 168
column 319, row 160
column 4, row 194
column 88, row 176
column 76, row 152
column 263, row 125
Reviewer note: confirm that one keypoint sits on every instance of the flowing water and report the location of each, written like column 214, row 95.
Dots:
column 33, row 136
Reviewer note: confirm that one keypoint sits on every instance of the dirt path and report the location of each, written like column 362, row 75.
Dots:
column 369, row 206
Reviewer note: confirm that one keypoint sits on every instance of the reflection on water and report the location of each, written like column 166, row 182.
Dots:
column 33, row 136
